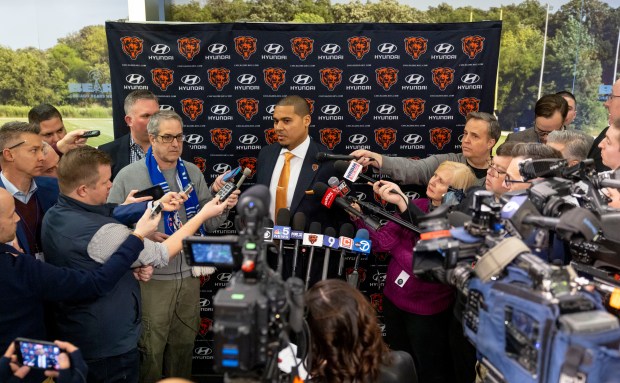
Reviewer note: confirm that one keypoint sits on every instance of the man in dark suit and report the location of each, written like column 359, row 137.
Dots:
column 613, row 108
column 549, row 115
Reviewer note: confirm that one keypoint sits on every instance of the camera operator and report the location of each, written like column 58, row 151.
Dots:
column 346, row 344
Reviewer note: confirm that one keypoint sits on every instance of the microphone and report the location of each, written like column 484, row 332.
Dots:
column 329, row 241
column 323, row 156
column 230, row 187
column 282, row 232
column 361, row 237
column 329, row 196
column 342, row 187
column 297, row 234
column 312, row 239
column 342, row 168
column 346, row 232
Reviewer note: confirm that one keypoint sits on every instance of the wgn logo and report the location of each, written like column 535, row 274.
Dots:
column 358, row 139
column 220, row 109
column 246, row 79
column 414, row 79
column 330, row 49
column 330, row 109
column 444, row 48
column 387, row 48
column 274, row 49
column 358, row 79
column 194, row 139
column 386, row 109
column 217, row 49
column 160, row 49
column 221, row 168
column 441, row 109
column 302, row 79
column 190, row 79
column 134, row 79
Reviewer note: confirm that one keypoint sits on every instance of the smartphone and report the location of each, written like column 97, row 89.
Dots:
column 91, row 133
column 188, row 189
column 37, row 354
column 232, row 174
column 154, row 191
column 156, row 209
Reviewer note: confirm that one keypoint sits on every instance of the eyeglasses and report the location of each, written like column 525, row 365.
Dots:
column 509, row 182
column 611, row 97
column 541, row 133
column 167, row 139
column 16, row 145
column 495, row 172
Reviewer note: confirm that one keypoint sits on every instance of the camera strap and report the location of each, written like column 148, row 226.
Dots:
column 498, row 257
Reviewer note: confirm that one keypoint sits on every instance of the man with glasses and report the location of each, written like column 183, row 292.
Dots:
column 613, row 108
column 22, row 166
column 572, row 107
column 513, row 180
column 170, row 310
column 549, row 115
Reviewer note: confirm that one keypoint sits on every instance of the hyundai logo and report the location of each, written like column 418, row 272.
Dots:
column 414, row 79
column 226, row 225
column 190, row 79
column 134, row 79
column 204, row 302
column 386, row 109
column 358, row 79
column 270, row 109
column 358, row 139
column 274, row 49
column 382, row 327
column 224, row 277
column 194, row 139
column 379, row 277
column 221, row 168
column 203, row 351
column 387, row 48
column 470, row 78
column 165, row 107
column 246, row 79
column 248, row 139
column 330, row 49
column 412, row 139
column 412, row 195
column 444, row 48
column 441, row 109
column 461, row 138
column 217, row 49
column 220, row 109
column 160, row 49
column 360, row 196
column 302, row 79
column 330, row 109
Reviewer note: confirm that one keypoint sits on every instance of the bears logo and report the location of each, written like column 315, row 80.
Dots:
column 415, row 46
column 330, row 137
column 310, row 104
column 192, row 107
column 245, row 46
column 205, row 326
column 189, row 47
column 379, row 200
column 330, row 77
column 274, row 77
column 468, row 105
column 386, row 77
column 219, row 77
column 442, row 77
column 376, row 300
column 204, row 279
column 250, row 163
column 413, row 107
column 302, row 47
column 221, row 137
column 247, row 107
column 440, row 137
column 132, row 46
column 385, row 137
column 162, row 77
column 472, row 45
column 270, row 136
column 201, row 163
column 359, row 46
column 358, row 107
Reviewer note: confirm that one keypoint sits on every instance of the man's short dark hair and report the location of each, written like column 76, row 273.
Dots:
column 299, row 104
column 12, row 130
column 505, row 149
column 136, row 95
column 494, row 130
column 80, row 166
column 548, row 104
column 565, row 93
column 41, row 113
column 535, row 151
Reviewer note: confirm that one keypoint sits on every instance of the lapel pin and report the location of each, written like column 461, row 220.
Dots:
column 315, row 167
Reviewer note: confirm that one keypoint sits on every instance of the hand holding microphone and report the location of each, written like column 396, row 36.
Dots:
column 390, row 192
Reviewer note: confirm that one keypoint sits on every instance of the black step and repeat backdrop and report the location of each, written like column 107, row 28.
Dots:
column 397, row 89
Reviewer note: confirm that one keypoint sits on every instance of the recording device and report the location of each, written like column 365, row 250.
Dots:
column 329, row 197
column 37, row 354
column 232, row 174
column 323, row 156
column 156, row 209
column 230, row 187
column 155, row 192
column 220, row 252
column 90, row 133
column 188, row 189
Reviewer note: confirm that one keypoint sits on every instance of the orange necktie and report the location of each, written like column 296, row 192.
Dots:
column 283, row 183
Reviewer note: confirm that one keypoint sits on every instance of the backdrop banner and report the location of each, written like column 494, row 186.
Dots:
column 396, row 89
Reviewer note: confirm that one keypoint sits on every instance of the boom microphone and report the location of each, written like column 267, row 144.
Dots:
column 323, row 156
column 329, row 197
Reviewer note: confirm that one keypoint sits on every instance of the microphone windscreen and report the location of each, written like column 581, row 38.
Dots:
column 284, row 217
column 347, row 230
column 330, row 231
column 319, row 188
column 320, row 156
column 247, row 172
column 299, row 221
column 362, row 234
column 333, row 181
column 315, row 228
column 341, row 167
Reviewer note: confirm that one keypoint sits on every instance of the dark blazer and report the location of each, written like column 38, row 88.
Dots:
column 47, row 195
column 595, row 152
column 527, row 135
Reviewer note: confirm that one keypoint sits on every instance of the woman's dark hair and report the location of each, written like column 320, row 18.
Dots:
column 347, row 345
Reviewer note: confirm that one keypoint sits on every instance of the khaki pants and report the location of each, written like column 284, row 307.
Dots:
column 170, row 321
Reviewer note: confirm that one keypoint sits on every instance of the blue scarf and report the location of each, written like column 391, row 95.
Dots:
column 172, row 221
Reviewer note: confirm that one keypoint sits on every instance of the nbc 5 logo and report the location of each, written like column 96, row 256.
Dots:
column 470, row 78
column 412, row 139
column 217, row 49
column 387, row 48
column 358, row 139
column 221, row 168
column 274, row 49
column 194, row 139
column 134, row 79
column 444, row 48
column 160, row 49
column 190, row 79
column 248, row 139
column 220, row 109
column 358, row 79
column 246, row 79
column 386, row 109
column 441, row 109
column 302, row 79
column 330, row 109
column 414, row 79
column 330, row 49
column 270, row 109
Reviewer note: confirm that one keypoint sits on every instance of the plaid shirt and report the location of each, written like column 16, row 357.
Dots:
column 135, row 151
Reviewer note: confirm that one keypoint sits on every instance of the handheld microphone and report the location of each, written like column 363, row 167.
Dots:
column 230, row 187
column 282, row 232
column 342, row 187
column 297, row 234
column 323, row 156
column 312, row 239
column 345, row 242
column 329, row 241
column 361, row 236
column 329, row 197
column 352, row 171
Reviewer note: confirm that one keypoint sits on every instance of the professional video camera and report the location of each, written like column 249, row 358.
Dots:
column 256, row 311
